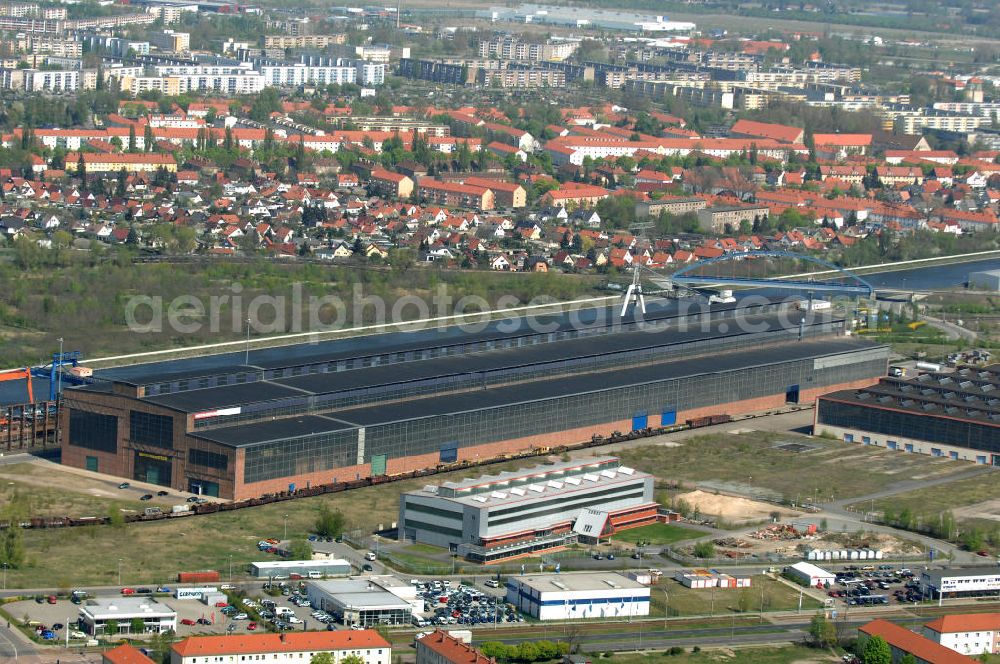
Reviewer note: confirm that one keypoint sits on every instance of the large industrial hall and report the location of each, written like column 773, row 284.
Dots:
column 312, row 414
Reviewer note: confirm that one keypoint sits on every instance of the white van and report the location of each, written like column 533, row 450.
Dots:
column 315, row 575
column 283, row 611
column 369, row 556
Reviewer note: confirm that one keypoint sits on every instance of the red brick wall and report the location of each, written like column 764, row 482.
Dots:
column 514, row 445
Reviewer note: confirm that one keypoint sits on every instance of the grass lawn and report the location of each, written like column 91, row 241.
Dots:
column 153, row 553
column 658, row 533
column 975, row 502
column 39, row 490
column 690, row 602
column 428, row 549
column 746, row 655
column 737, row 461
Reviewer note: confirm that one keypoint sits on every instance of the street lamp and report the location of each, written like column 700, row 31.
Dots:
column 246, row 359
column 5, row 566
column 59, row 379
column 230, row 567
column 119, row 571
column 666, row 607
column 286, row 527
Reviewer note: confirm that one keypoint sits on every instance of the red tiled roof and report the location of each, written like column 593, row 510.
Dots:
column 453, row 650
column 777, row 132
column 245, row 644
column 920, row 647
column 842, row 139
column 125, row 654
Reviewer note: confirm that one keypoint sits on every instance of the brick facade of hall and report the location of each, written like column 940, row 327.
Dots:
column 231, row 481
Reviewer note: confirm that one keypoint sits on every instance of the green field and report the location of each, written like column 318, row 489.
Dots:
column 753, row 461
column 683, row 602
column 659, row 533
column 29, row 489
column 153, row 553
column 747, row 655
column 973, row 502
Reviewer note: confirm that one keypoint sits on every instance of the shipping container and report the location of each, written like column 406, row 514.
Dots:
column 198, row 577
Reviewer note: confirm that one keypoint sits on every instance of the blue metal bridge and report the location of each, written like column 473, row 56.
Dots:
column 833, row 279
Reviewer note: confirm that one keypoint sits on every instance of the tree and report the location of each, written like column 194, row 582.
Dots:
column 329, row 522
column 137, row 626
column 111, row 627
column 704, row 549
column 909, row 659
column 322, row 658
column 12, row 552
column 115, row 517
column 876, row 651
column 131, row 138
column 744, row 601
column 822, row 632
column 352, row 659
column 300, row 549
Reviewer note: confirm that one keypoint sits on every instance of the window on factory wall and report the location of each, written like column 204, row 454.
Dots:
column 93, row 431
column 208, row 459
column 151, row 429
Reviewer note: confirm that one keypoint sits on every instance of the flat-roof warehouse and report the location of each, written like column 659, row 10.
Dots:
column 332, row 413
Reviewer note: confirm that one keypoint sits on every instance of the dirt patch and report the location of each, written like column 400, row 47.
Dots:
column 732, row 507
column 988, row 509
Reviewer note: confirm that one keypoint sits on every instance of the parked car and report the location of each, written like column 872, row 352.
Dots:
column 124, row 485
column 146, row 496
column 188, row 621
column 203, row 621
column 252, row 626
column 162, row 493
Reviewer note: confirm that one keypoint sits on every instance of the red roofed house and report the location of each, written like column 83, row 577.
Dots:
column 440, row 647
column 838, row 146
column 969, row 634
column 903, row 642
column 388, row 183
column 125, row 654
column 453, row 194
column 506, row 194
column 571, row 195
column 275, row 648
column 777, row 132
column 105, row 163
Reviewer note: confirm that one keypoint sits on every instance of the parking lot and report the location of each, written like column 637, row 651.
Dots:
column 55, row 617
column 448, row 604
column 878, row 586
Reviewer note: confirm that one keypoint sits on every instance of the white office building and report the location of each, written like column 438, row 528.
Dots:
column 578, row 595
column 961, row 582
column 367, row 601
column 969, row 634
column 156, row 617
column 517, row 512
